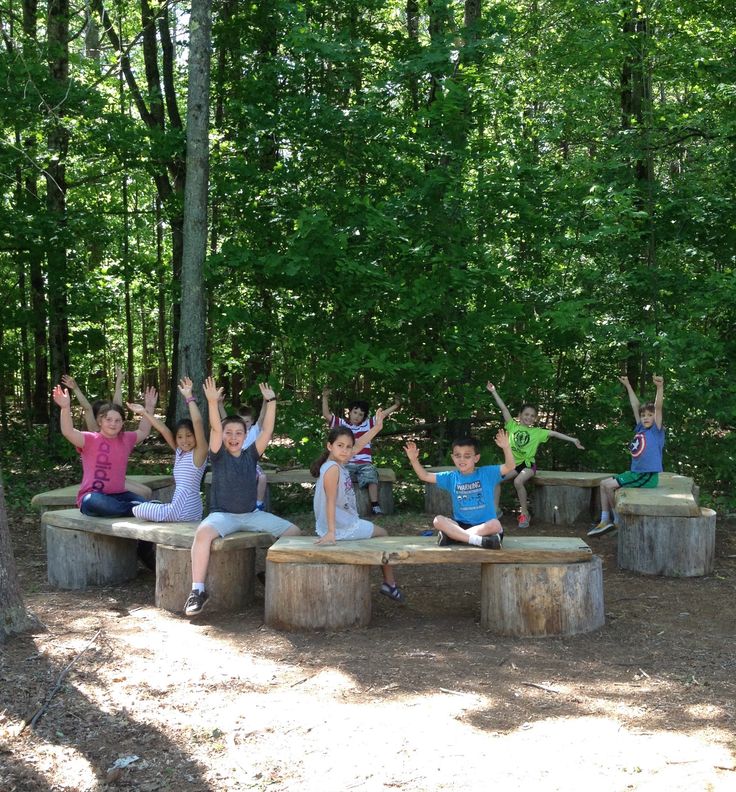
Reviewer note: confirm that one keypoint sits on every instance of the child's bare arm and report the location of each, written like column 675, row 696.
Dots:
column 89, row 415
column 330, row 482
column 363, row 441
column 150, row 397
column 262, row 413
column 502, row 441
column 158, row 425
column 213, row 394
column 569, row 439
column 633, row 400
column 326, row 412
column 499, row 401
column 117, row 395
column 63, row 401
column 658, row 400
column 200, row 448
column 393, row 408
column 269, row 420
column 413, row 453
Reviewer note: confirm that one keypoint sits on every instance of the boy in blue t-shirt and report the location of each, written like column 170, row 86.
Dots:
column 646, row 455
column 474, row 518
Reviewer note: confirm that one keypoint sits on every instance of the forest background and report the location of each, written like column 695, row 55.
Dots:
column 404, row 198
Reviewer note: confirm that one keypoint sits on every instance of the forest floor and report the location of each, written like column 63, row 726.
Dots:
column 423, row 699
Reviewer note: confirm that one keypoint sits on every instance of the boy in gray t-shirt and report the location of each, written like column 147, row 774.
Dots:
column 233, row 493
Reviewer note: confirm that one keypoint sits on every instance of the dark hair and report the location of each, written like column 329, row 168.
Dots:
column 184, row 423
column 233, row 419
column 244, row 411
column 337, row 431
column 648, row 407
column 361, row 404
column 105, row 407
column 466, row 441
column 525, row 405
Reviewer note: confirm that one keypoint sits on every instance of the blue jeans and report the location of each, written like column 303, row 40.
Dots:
column 98, row 504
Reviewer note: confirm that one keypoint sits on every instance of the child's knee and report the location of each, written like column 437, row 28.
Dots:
column 379, row 530
column 292, row 530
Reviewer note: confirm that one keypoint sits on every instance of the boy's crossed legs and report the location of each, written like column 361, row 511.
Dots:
column 488, row 534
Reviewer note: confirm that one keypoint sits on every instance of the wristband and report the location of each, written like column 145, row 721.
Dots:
column 189, row 400
column 273, row 398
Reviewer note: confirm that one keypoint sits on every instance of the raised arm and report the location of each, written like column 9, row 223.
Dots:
column 499, row 401
column 89, row 415
column 63, row 401
column 150, row 397
column 364, row 439
column 393, row 408
column 262, row 413
column 326, row 412
column 269, row 419
column 502, row 441
column 413, row 453
column 213, row 394
column 157, row 423
column 658, row 400
column 569, row 439
column 117, row 394
column 633, row 400
column 200, row 448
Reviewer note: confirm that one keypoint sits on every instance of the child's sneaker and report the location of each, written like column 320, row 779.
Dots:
column 523, row 521
column 492, row 542
column 392, row 592
column 376, row 509
column 445, row 541
column 195, row 602
column 603, row 527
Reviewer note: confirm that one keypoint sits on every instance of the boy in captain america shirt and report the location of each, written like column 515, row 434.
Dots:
column 646, row 455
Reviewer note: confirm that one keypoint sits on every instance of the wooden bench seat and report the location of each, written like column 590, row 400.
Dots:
column 302, row 476
column 84, row 551
column 532, row 586
column 65, row 497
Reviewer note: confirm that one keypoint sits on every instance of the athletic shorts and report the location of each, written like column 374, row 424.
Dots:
column 638, row 480
column 364, row 474
column 522, row 466
column 257, row 521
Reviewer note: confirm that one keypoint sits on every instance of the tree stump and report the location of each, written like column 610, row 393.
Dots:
column 670, row 546
column 562, row 505
column 77, row 559
column 317, row 596
column 230, row 579
column 385, row 499
column 542, row 599
column 437, row 501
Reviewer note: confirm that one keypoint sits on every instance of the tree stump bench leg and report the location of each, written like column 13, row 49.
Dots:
column 385, row 499
column 230, row 579
column 542, row 599
column 437, row 501
column 317, row 596
column 561, row 505
column 77, row 559
column 670, row 546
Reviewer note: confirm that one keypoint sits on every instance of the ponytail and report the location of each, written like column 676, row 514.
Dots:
column 317, row 463
column 337, row 431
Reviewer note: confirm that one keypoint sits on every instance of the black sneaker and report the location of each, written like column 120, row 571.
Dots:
column 195, row 603
column 492, row 542
column 445, row 541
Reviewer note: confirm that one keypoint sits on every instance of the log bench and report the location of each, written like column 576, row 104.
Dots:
column 84, row 551
column 302, row 477
column 533, row 586
column 65, row 497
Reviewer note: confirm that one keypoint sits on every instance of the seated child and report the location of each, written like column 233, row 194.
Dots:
column 359, row 422
column 233, row 492
column 104, row 456
column 335, row 510
column 90, row 417
column 472, row 488
column 646, row 455
column 190, row 458
column 252, row 430
column 525, row 438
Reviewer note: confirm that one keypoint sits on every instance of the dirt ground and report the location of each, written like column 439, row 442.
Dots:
column 423, row 699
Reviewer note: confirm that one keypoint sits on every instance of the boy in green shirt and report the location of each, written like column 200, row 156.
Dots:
column 525, row 438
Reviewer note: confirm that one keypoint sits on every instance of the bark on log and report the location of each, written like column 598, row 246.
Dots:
column 671, row 546
column 230, row 578
column 542, row 599
column 562, row 505
column 77, row 559
column 317, row 596
column 437, row 501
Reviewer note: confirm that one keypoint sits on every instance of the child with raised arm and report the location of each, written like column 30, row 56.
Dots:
column 190, row 456
column 335, row 509
column 525, row 438
column 646, row 455
column 104, row 456
column 472, row 488
column 90, row 418
column 233, row 492
column 361, row 468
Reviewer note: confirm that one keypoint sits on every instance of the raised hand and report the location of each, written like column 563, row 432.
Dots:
column 326, row 391
column 380, row 415
column 138, row 409
column 502, row 438
column 69, row 381
column 211, row 391
column 185, row 387
column 658, row 380
column 150, row 397
column 578, row 444
column 625, row 382
column 61, row 397
column 266, row 391
column 412, row 451
column 490, row 387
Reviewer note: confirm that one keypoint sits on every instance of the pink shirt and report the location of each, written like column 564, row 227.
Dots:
column 104, row 463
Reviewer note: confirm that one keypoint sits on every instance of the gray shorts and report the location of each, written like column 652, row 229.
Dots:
column 364, row 474
column 257, row 521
